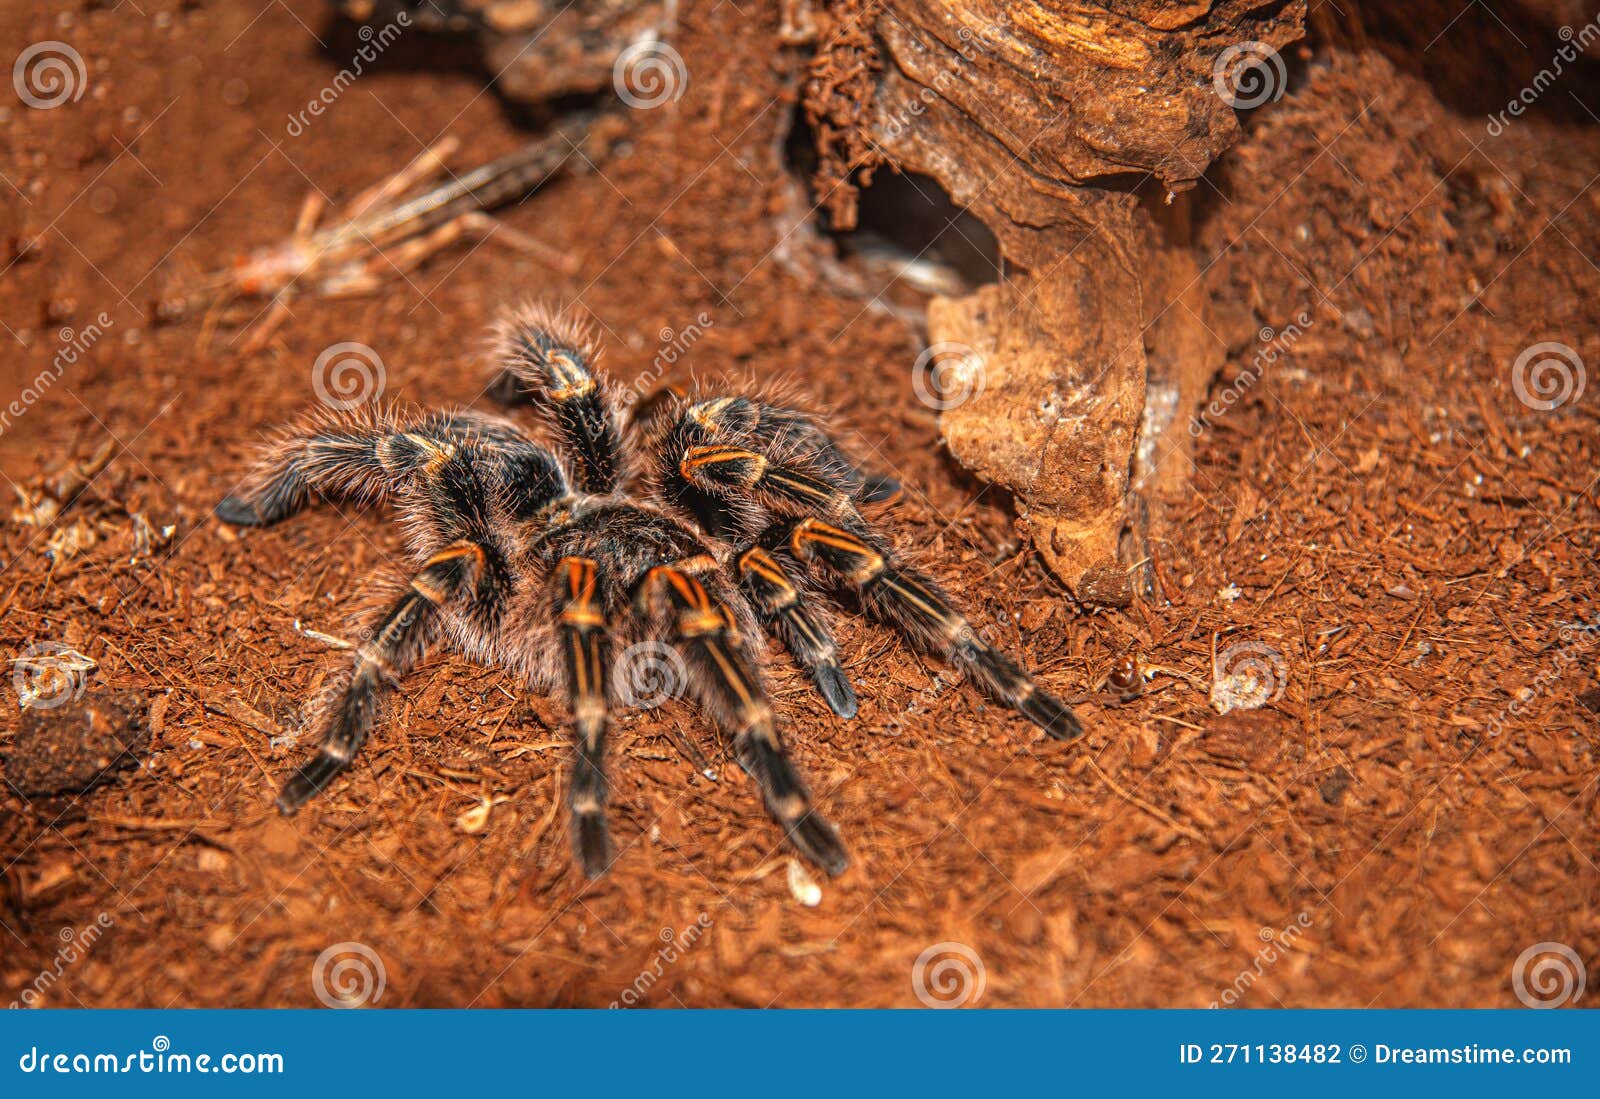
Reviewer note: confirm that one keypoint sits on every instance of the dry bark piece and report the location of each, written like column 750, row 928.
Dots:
column 75, row 746
column 1041, row 118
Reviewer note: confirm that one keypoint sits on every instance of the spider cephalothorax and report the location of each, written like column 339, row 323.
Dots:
column 689, row 527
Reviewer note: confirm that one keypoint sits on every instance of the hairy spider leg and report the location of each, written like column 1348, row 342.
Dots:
column 901, row 596
column 787, row 429
column 370, row 457
column 704, row 631
column 400, row 639
column 581, row 624
column 465, row 576
column 723, row 457
column 799, row 623
column 552, row 357
column 731, row 473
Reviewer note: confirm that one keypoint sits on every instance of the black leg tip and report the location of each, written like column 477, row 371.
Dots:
column 306, row 783
column 592, row 839
column 239, row 512
column 1052, row 715
column 819, row 843
column 878, row 489
column 835, row 690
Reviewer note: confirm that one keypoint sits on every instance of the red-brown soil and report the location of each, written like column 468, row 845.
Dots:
column 1379, row 508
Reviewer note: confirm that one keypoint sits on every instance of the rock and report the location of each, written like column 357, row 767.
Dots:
column 77, row 745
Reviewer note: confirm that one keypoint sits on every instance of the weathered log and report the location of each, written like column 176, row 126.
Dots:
column 1045, row 119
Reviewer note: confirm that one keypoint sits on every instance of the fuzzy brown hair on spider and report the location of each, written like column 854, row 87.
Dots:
column 671, row 541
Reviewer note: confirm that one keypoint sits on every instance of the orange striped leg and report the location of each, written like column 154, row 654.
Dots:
column 730, row 472
column 400, row 639
column 802, row 626
column 584, row 641
column 905, row 598
column 724, row 677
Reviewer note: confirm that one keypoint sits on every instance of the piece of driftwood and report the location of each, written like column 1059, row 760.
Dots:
column 1047, row 120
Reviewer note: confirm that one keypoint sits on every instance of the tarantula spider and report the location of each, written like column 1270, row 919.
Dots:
column 685, row 526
